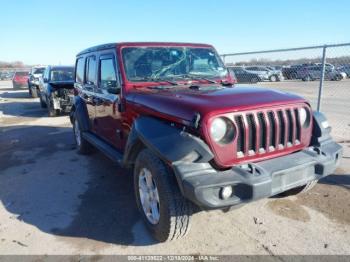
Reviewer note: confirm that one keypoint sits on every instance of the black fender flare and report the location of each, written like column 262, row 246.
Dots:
column 169, row 143
column 320, row 133
column 79, row 112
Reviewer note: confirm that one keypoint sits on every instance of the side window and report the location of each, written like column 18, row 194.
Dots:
column 46, row 73
column 91, row 70
column 79, row 70
column 108, row 77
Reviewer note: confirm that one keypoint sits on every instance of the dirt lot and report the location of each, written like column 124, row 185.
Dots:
column 54, row 201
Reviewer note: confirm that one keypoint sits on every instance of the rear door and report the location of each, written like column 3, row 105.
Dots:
column 107, row 100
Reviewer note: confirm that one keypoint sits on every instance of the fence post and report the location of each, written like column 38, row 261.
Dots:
column 320, row 90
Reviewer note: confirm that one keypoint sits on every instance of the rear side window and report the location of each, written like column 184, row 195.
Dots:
column 91, row 71
column 79, row 73
column 108, row 74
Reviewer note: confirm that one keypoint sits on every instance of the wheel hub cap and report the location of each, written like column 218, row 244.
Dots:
column 77, row 132
column 149, row 196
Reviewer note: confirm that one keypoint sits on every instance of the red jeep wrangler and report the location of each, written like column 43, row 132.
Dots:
column 170, row 112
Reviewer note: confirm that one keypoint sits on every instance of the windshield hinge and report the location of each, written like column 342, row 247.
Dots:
column 196, row 119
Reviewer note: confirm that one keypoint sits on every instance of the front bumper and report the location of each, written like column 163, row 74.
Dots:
column 201, row 184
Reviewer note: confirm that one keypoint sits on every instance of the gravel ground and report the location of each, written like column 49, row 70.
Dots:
column 54, row 201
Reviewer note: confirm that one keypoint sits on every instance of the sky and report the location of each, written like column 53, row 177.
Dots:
column 53, row 32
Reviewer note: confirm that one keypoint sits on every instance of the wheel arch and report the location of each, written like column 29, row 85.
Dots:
column 80, row 113
column 160, row 137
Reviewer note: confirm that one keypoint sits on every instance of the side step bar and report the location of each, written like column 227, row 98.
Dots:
column 101, row 145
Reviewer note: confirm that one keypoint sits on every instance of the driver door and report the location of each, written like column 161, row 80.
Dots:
column 107, row 99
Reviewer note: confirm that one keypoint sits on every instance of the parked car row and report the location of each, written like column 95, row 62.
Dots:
column 254, row 74
column 313, row 71
column 305, row 72
column 7, row 75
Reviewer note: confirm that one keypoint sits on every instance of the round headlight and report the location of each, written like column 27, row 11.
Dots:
column 304, row 117
column 222, row 130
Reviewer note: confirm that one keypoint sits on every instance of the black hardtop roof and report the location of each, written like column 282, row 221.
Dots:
column 60, row 66
column 114, row 45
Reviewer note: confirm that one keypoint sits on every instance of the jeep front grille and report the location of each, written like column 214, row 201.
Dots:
column 268, row 130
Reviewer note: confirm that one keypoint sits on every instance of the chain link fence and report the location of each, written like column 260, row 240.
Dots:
column 321, row 74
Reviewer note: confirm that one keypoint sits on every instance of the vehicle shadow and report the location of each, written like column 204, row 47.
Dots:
column 14, row 93
column 45, row 183
column 342, row 180
column 23, row 109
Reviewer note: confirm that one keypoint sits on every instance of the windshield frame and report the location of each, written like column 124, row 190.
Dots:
column 167, row 78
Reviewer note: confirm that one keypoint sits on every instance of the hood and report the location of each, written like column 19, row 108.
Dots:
column 37, row 75
column 184, row 102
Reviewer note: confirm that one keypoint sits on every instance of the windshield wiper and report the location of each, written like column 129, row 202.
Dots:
column 158, row 80
column 198, row 78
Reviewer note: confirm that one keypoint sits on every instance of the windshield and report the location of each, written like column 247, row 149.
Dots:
column 152, row 63
column 62, row 74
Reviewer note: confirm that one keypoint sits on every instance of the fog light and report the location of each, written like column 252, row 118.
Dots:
column 225, row 192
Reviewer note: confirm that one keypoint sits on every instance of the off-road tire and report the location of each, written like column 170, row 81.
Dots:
column 51, row 112
column 42, row 102
column 84, row 147
column 175, row 211
column 298, row 190
column 33, row 92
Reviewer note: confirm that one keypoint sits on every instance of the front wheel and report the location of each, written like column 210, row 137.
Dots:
column 273, row 78
column 42, row 102
column 307, row 78
column 164, row 210
column 254, row 80
column 33, row 91
column 51, row 111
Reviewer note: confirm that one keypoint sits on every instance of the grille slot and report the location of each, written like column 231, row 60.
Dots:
column 262, row 125
column 298, row 127
column 241, row 135
column 282, row 127
column 272, row 129
column 290, row 126
column 266, row 131
column 252, row 132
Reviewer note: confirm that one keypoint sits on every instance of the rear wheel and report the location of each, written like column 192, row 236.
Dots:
column 83, row 146
column 164, row 210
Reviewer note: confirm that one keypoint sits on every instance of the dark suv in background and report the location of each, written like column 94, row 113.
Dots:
column 56, row 89
column 33, row 80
